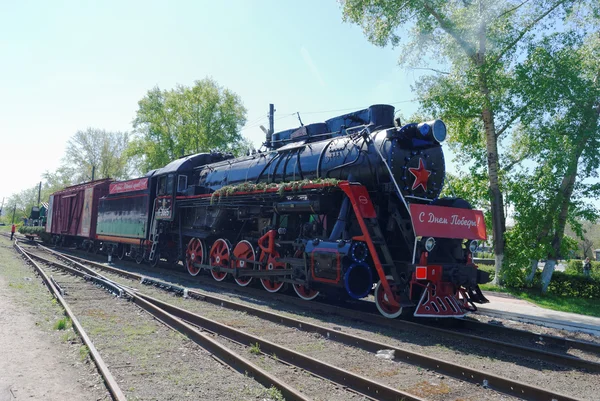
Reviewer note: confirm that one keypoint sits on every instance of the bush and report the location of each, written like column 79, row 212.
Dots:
column 575, row 266
column 569, row 285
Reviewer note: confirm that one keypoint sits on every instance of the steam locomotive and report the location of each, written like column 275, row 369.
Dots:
column 345, row 208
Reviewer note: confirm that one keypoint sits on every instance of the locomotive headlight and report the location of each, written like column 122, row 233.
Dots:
column 473, row 246
column 429, row 244
column 435, row 129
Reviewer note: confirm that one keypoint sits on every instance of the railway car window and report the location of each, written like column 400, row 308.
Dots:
column 182, row 183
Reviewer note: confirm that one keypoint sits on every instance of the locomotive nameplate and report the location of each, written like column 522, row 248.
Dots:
column 447, row 222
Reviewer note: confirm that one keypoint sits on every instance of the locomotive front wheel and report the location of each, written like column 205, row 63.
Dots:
column 383, row 305
column 271, row 285
column 195, row 253
column 305, row 293
column 244, row 250
column 219, row 256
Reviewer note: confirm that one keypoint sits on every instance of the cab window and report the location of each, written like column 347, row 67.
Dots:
column 182, row 183
column 166, row 184
column 170, row 183
column 162, row 185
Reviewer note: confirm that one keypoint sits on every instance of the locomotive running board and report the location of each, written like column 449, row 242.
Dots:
column 364, row 211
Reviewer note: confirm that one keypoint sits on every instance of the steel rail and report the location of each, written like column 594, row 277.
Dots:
column 115, row 289
column 528, row 335
column 498, row 383
column 514, row 349
column 348, row 379
column 171, row 314
column 223, row 353
column 110, row 381
column 401, row 324
column 501, row 384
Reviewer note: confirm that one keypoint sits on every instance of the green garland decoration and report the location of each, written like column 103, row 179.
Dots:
column 294, row 186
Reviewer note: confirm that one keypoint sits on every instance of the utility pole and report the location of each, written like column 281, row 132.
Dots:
column 39, row 193
column 93, row 172
column 14, row 211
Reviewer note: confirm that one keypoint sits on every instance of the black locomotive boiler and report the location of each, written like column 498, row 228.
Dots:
column 336, row 208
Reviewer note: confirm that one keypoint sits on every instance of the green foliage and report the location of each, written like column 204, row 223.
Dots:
column 281, row 187
column 255, row 349
column 62, row 324
column 275, row 394
column 186, row 120
column 560, row 126
column 485, row 50
column 567, row 285
column 37, row 230
column 84, row 351
column 575, row 267
column 104, row 150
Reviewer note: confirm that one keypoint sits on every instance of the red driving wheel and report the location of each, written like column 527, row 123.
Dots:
column 195, row 253
column 220, row 256
column 244, row 252
column 270, row 284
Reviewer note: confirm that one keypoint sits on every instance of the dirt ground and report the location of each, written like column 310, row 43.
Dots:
column 35, row 362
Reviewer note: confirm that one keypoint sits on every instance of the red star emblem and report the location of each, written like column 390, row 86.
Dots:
column 421, row 175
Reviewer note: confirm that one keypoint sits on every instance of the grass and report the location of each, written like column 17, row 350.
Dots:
column 83, row 352
column 275, row 394
column 255, row 349
column 62, row 324
column 582, row 306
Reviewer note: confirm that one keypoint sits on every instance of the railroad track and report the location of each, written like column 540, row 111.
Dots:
column 107, row 376
column 463, row 328
column 507, row 386
column 189, row 323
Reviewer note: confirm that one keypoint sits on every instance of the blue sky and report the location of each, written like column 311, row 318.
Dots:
column 69, row 65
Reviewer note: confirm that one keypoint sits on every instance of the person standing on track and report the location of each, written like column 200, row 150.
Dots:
column 12, row 232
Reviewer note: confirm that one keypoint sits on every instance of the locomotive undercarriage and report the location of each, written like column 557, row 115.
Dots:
column 322, row 240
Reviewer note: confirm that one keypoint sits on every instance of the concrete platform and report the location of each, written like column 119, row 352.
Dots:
column 506, row 306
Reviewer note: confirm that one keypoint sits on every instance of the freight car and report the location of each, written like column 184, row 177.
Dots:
column 72, row 214
column 331, row 208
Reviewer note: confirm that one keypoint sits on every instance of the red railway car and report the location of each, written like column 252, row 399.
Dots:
column 73, row 212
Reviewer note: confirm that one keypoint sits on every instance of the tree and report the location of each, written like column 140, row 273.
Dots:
column 478, row 42
column 561, row 80
column 99, row 150
column 21, row 203
column 186, row 120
